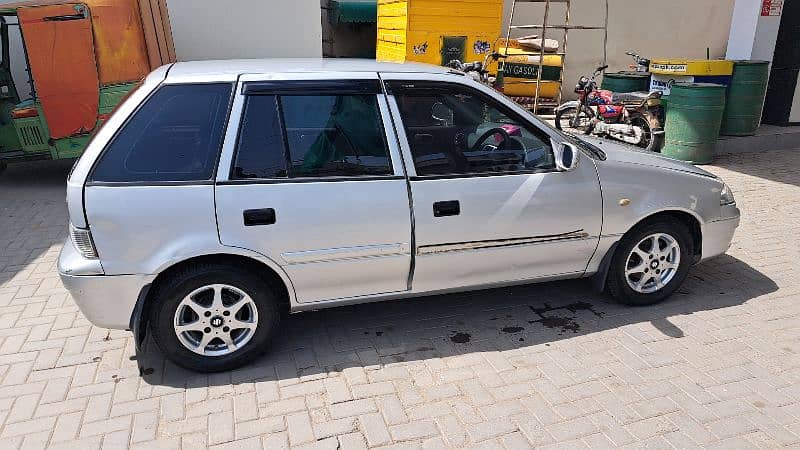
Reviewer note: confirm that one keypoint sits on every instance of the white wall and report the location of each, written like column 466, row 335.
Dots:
column 794, row 113
column 213, row 29
column 752, row 35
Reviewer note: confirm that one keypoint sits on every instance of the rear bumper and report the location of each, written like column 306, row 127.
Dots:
column 717, row 236
column 107, row 301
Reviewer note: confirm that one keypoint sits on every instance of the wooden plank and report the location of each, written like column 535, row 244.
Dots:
column 159, row 28
column 167, row 26
column 150, row 37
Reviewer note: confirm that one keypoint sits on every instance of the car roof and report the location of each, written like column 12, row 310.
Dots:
column 294, row 65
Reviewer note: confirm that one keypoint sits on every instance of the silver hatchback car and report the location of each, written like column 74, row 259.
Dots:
column 222, row 194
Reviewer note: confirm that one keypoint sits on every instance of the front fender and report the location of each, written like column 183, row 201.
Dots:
column 570, row 104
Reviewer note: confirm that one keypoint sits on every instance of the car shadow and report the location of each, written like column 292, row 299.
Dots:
column 372, row 336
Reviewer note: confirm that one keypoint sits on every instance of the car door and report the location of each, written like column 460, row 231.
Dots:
column 313, row 182
column 489, row 204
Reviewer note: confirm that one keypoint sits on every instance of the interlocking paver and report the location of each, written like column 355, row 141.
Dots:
column 718, row 365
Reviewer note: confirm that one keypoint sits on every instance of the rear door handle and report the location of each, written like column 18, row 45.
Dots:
column 446, row 208
column 254, row 217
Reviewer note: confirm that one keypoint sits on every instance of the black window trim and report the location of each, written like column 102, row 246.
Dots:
column 396, row 87
column 210, row 181
column 330, row 179
column 312, row 88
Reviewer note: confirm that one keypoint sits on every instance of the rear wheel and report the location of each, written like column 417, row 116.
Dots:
column 575, row 120
column 650, row 262
column 211, row 318
column 651, row 140
column 3, row 166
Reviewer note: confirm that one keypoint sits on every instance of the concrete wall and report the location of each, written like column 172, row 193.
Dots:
column 213, row 29
column 656, row 29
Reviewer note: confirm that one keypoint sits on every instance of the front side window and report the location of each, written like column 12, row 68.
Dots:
column 317, row 135
column 453, row 130
column 175, row 136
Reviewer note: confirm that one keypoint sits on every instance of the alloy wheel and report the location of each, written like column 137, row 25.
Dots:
column 652, row 263
column 215, row 320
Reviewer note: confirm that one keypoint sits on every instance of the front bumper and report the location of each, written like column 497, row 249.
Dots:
column 717, row 235
column 106, row 300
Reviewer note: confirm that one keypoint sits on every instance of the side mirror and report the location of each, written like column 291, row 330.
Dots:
column 567, row 157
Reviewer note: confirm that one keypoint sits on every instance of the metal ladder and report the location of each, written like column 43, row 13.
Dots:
column 544, row 26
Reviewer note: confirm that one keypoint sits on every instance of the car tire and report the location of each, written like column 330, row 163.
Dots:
column 212, row 318
column 642, row 275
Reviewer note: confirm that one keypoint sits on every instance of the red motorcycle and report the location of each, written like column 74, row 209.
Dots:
column 632, row 117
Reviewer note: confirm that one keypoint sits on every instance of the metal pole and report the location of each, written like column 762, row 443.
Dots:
column 605, row 37
column 564, row 56
column 541, row 57
column 510, row 22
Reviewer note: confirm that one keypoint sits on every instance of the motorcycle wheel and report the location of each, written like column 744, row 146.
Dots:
column 648, row 122
column 573, row 121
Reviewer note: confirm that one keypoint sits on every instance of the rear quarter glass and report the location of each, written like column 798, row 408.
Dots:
column 174, row 136
column 96, row 131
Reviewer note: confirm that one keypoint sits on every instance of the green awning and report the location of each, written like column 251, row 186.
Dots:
column 353, row 11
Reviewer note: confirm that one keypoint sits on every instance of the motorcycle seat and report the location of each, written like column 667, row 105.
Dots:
column 629, row 97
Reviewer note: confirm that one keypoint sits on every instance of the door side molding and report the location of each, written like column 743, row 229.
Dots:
column 476, row 245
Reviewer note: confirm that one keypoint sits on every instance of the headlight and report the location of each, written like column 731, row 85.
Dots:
column 726, row 196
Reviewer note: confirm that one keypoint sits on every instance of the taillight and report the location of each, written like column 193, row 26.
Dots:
column 82, row 240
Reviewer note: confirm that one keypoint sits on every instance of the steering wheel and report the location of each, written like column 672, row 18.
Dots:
column 489, row 133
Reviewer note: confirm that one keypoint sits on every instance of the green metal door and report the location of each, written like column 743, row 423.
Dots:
column 453, row 47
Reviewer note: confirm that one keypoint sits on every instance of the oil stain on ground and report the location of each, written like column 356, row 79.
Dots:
column 460, row 338
column 512, row 329
column 562, row 324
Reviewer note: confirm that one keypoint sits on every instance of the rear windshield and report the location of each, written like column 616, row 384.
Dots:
column 175, row 135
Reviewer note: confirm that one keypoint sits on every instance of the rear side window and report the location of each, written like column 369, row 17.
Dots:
column 175, row 136
column 291, row 136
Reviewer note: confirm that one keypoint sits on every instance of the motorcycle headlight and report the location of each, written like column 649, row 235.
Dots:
column 726, row 196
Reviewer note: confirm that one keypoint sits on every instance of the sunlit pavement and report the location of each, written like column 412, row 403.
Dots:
column 718, row 365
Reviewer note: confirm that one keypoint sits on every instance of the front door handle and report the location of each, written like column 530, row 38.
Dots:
column 446, row 208
column 254, row 217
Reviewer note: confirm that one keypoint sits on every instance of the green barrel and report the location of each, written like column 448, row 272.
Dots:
column 693, row 121
column 626, row 81
column 745, row 98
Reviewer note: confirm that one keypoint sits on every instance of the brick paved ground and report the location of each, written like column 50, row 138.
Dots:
column 551, row 365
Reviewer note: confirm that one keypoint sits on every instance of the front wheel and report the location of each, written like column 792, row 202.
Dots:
column 576, row 120
column 211, row 318
column 650, row 262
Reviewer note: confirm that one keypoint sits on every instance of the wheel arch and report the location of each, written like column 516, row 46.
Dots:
column 687, row 218
column 264, row 270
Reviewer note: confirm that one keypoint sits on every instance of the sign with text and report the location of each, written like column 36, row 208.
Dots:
column 771, row 8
